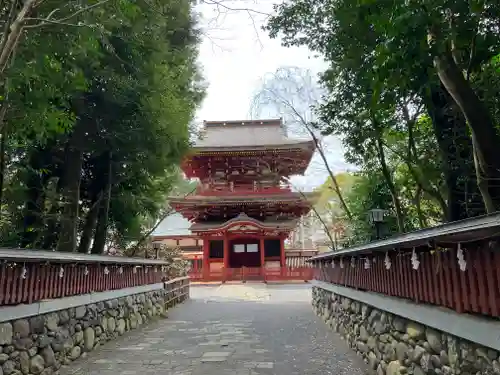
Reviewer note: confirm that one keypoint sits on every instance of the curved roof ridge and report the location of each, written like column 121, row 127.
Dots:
column 242, row 217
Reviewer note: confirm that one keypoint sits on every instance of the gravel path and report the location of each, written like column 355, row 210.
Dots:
column 244, row 329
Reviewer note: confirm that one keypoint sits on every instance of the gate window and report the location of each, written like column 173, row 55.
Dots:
column 252, row 248
column 216, row 249
column 239, row 248
column 272, row 248
column 249, row 248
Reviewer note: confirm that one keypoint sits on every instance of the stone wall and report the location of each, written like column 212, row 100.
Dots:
column 392, row 345
column 42, row 344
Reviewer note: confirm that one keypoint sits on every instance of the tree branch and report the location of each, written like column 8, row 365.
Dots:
column 169, row 212
column 62, row 21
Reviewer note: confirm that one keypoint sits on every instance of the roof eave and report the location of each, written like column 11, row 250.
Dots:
column 294, row 196
column 285, row 227
column 303, row 145
column 468, row 230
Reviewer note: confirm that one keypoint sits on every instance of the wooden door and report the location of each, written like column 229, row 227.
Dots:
column 244, row 253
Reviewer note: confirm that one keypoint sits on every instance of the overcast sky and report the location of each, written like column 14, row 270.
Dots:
column 236, row 54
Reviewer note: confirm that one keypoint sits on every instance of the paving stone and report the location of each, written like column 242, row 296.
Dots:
column 156, row 362
column 265, row 365
column 260, row 351
column 133, row 348
column 241, row 332
column 216, row 354
column 214, row 359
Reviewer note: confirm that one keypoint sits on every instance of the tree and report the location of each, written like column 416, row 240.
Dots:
column 329, row 208
column 19, row 19
column 380, row 63
column 294, row 93
column 122, row 97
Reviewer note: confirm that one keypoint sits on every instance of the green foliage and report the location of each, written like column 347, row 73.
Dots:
column 391, row 97
column 177, row 266
column 98, row 123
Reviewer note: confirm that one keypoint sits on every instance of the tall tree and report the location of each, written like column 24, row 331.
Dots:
column 119, row 128
column 379, row 51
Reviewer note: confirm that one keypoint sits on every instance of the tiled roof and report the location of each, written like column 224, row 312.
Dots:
column 227, row 199
column 247, row 134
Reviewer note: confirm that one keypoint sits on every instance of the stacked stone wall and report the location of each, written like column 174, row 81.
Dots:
column 42, row 344
column 392, row 345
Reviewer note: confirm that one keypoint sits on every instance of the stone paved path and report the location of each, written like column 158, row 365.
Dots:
column 245, row 329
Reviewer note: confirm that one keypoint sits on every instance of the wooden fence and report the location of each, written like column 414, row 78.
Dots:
column 31, row 276
column 465, row 280
column 253, row 274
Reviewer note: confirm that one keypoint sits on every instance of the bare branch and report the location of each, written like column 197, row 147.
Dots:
column 62, row 21
column 316, row 213
column 221, row 5
column 274, row 91
column 169, row 212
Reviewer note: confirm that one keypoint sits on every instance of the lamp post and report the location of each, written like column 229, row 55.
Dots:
column 376, row 217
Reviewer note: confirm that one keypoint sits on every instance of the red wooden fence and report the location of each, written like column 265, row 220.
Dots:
column 438, row 280
column 35, row 281
column 254, row 274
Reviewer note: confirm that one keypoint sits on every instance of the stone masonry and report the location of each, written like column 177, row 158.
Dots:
column 392, row 345
column 42, row 344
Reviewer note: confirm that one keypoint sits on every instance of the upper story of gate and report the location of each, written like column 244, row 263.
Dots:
column 250, row 157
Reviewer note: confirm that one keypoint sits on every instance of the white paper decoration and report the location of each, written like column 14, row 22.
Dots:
column 462, row 263
column 387, row 262
column 367, row 263
column 415, row 263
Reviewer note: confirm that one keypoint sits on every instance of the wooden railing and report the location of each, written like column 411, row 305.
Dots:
column 177, row 290
column 31, row 276
column 465, row 278
column 227, row 189
column 253, row 274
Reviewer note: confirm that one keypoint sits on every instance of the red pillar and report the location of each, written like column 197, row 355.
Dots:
column 262, row 252
column 205, row 259
column 262, row 258
column 226, row 251
column 282, row 248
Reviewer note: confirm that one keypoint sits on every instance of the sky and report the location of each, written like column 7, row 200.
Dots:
column 236, row 55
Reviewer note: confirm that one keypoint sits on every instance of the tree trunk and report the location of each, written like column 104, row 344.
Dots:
column 14, row 30
column 3, row 141
column 418, row 206
column 455, row 145
column 482, row 184
column 53, row 209
column 89, row 226
column 50, row 237
column 34, row 205
column 31, row 211
column 480, row 122
column 103, row 215
column 71, row 199
column 321, row 152
column 388, row 178
column 422, row 183
column 3, row 156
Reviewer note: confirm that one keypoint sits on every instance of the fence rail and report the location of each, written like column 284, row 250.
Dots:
column 177, row 290
column 31, row 276
column 441, row 278
column 253, row 274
